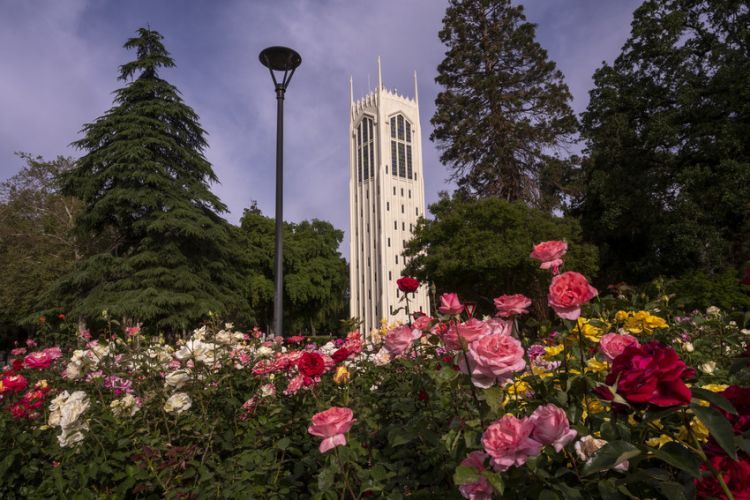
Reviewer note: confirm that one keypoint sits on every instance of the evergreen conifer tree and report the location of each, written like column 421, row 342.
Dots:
column 503, row 111
column 145, row 180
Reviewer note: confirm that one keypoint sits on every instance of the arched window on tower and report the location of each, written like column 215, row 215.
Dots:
column 365, row 149
column 401, row 163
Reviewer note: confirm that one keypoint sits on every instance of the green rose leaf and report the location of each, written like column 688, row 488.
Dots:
column 680, row 457
column 718, row 426
column 715, row 399
column 609, row 456
column 465, row 475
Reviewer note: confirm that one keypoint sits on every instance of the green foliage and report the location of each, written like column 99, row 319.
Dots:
column 504, row 111
column 480, row 249
column 666, row 181
column 36, row 244
column 316, row 277
column 144, row 180
column 699, row 290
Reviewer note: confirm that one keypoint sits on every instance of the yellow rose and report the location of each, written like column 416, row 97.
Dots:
column 621, row 316
column 589, row 331
column 342, row 375
column 597, row 366
column 715, row 387
column 552, row 351
column 660, row 441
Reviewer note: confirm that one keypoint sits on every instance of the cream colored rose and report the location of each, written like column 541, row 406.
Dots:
column 65, row 412
column 203, row 352
column 178, row 402
column 73, row 408
column 383, row 357
column 708, row 367
column 177, row 379
column 127, row 406
column 587, row 446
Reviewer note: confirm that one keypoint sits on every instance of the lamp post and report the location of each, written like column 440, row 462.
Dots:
column 286, row 60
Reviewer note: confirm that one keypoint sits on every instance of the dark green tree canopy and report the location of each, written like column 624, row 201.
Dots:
column 503, row 113
column 667, row 173
column 316, row 277
column 480, row 249
column 144, row 178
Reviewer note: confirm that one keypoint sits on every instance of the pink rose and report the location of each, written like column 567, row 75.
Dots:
column 472, row 330
column 510, row 305
column 450, row 305
column 567, row 292
column 500, row 326
column 551, row 426
column 613, row 344
column 493, row 358
column 331, row 425
column 550, row 253
column 481, row 489
column 38, row 360
column 53, row 352
column 422, row 322
column 294, row 385
column 508, row 441
column 398, row 340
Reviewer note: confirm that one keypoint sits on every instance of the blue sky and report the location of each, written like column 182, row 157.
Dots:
column 59, row 60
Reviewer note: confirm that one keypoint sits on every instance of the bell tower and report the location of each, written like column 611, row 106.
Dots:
column 386, row 197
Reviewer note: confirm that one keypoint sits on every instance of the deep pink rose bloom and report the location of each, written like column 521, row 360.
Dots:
column 398, row 340
column 551, row 426
column 511, row 305
column 14, row 383
column 481, row 489
column 613, row 344
column 493, row 358
column 331, row 425
column 508, row 441
column 38, row 360
column 421, row 323
column 549, row 253
column 650, row 374
column 567, row 292
column 295, row 384
column 450, row 305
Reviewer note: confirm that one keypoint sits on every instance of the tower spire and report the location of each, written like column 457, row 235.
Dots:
column 380, row 76
column 351, row 91
column 416, row 91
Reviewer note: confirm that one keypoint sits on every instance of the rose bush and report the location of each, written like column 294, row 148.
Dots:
column 617, row 397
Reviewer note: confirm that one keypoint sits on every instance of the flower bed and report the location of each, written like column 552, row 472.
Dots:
column 610, row 400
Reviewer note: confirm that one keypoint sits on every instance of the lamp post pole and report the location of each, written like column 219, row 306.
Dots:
column 286, row 60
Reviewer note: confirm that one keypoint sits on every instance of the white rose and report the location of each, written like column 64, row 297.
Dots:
column 264, row 351
column 69, row 438
column 72, row 409
column 200, row 333
column 54, row 409
column 713, row 311
column 383, row 357
column 125, row 407
column 587, row 446
column 178, row 402
column 203, row 352
column 177, row 379
column 689, row 347
column 708, row 367
column 223, row 337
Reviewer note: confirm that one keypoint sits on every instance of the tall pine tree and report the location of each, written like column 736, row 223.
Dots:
column 144, row 178
column 667, row 173
column 504, row 111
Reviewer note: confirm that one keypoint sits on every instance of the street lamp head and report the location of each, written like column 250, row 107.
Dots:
column 280, row 59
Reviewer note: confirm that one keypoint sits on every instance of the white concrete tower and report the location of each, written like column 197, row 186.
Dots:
column 386, row 197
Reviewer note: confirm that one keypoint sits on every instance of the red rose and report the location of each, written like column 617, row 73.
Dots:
column 650, row 374
column 407, row 284
column 295, row 339
column 14, row 383
column 311, row 364
column 739, row 397
column 341, row 355
column 746, row 279
column 736, row 476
